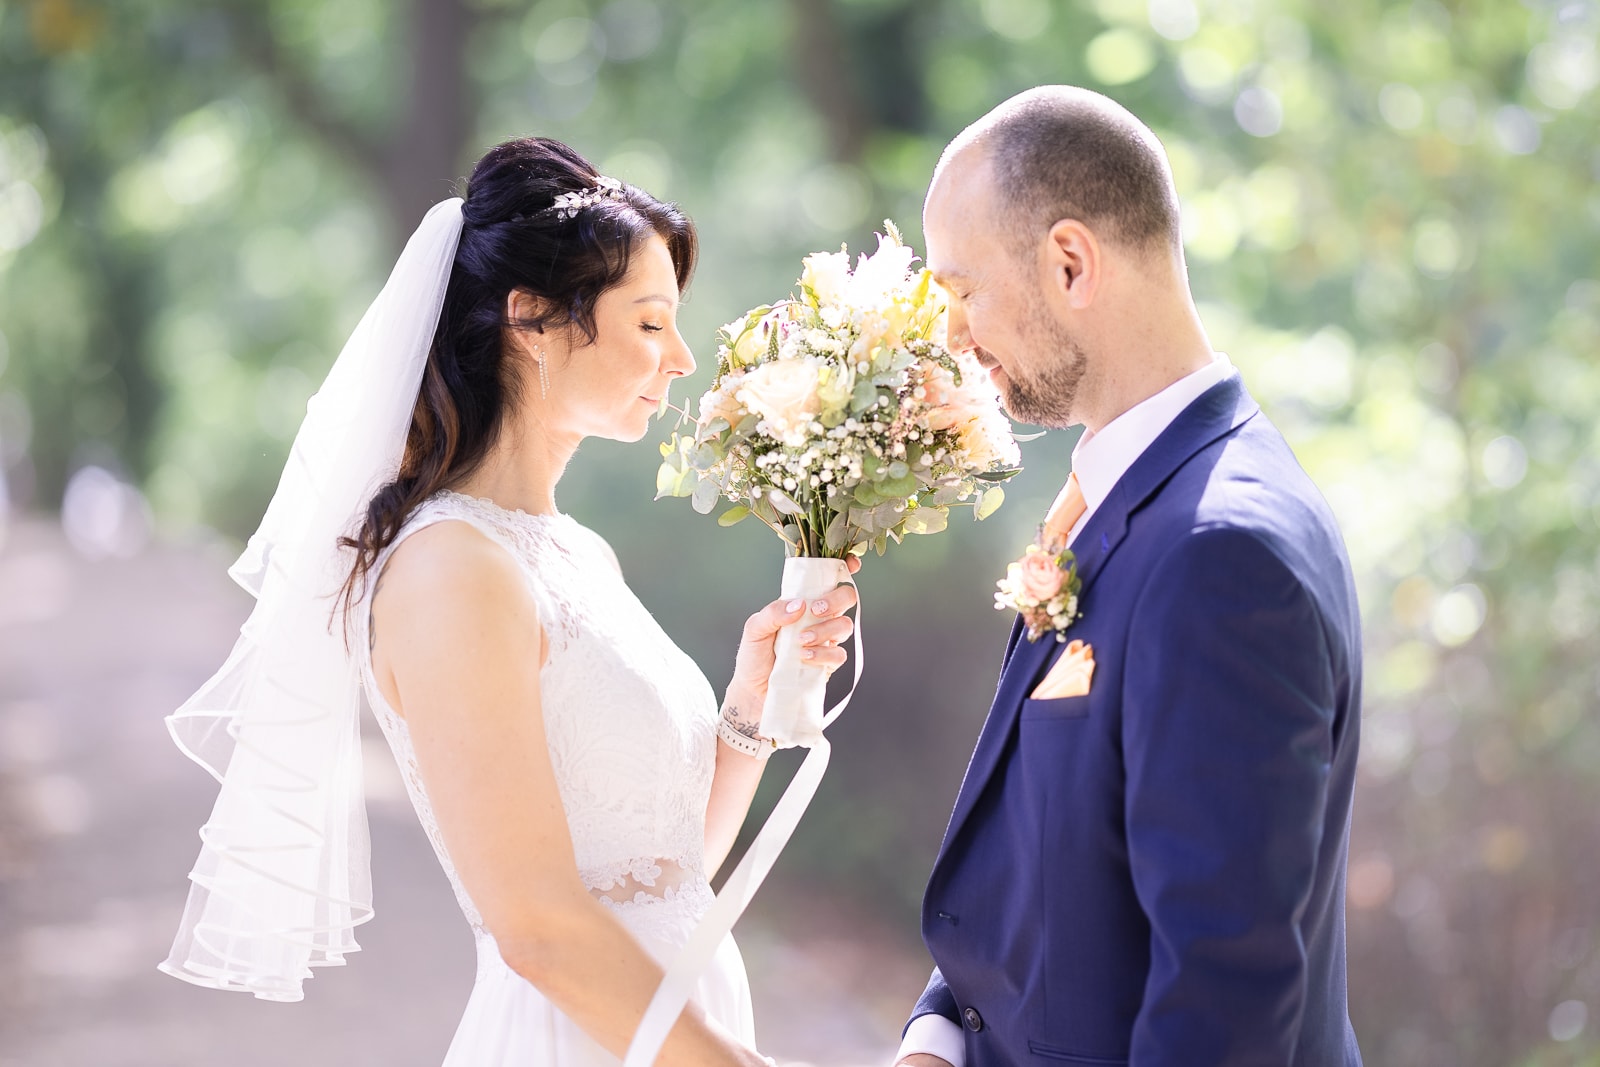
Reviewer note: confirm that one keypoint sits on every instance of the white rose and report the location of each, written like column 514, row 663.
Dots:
column 782, row 393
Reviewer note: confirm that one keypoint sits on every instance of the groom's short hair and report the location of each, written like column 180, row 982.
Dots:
column 1060, row 152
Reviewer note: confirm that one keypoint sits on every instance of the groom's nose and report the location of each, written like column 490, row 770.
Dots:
column 958, row 334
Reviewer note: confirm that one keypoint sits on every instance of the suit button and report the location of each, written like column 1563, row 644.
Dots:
column 974, row 1020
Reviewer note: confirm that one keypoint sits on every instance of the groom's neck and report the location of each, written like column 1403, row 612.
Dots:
column 1150, row 339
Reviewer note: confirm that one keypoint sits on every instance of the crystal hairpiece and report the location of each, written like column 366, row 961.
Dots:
column 567, row 205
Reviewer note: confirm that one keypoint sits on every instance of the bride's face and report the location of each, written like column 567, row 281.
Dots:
column 611, row 388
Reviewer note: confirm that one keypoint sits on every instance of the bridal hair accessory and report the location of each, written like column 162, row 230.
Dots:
column 283, row 875
column 567, row 205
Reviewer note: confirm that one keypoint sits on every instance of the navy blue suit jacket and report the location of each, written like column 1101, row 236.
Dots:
column 1153, row 874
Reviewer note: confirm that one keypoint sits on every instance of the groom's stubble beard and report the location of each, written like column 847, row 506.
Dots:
column 1048, row 397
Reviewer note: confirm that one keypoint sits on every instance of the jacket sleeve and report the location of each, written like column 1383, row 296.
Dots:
column 935, row 1000
column 1227, row 736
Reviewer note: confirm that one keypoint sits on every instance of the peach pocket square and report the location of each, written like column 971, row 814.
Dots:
column 1071, row 675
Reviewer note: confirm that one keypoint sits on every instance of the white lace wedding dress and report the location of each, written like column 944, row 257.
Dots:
column 631, row 725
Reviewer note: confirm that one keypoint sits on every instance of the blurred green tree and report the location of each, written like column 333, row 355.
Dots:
column 1391, row 218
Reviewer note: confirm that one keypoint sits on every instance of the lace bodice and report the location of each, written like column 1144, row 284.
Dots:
column 630, row 720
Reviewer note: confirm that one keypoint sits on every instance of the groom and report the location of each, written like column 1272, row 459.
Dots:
column 1146, row 861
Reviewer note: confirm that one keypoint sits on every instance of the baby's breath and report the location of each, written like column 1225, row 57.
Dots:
column 840, row 419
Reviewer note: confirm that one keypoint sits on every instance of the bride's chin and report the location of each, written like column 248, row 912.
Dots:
column 629, row 434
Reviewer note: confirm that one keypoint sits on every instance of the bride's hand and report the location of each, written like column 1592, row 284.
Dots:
column 823, row 642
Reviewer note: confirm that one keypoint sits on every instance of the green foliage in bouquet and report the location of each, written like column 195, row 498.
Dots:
column 840, row 419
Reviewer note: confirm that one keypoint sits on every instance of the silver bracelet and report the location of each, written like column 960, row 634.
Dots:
column 742, row 738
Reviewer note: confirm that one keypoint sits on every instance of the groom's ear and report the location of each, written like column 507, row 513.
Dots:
column 1076, row 261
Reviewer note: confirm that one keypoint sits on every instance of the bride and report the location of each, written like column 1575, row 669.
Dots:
column 567, row 760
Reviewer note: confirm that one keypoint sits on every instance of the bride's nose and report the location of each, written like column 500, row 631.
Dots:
column 677, row 361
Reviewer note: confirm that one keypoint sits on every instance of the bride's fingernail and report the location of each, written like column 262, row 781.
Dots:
column 819, row 607
column 809, row 637
column 809, row 653
column 794, row 606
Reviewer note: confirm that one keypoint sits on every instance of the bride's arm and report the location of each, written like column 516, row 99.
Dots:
column 461, row 645
column 738, row 774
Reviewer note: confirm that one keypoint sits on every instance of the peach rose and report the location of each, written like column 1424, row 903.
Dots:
column 722, row 403
column 954, row 405
column 1040, row 576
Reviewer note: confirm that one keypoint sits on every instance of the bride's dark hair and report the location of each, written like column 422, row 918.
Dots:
column 509, row 241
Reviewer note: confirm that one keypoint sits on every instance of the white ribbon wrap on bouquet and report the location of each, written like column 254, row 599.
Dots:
column 793, row 716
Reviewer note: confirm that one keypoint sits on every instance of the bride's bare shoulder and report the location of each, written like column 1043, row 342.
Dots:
column 446, row 583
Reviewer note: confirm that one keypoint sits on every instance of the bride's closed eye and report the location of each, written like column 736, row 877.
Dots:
column 650, row 327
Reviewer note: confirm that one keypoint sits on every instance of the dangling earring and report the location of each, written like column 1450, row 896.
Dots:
column 544, row 374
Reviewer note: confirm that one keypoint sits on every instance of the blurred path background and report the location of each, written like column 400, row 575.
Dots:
column 1392, row 222
column 102, row 813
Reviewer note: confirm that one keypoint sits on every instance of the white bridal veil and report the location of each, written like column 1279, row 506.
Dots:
column 283, row 875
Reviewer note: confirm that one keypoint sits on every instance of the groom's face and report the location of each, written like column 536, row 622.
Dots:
column 1001, row 306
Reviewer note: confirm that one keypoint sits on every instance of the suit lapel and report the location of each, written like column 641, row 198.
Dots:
column 1218, row 411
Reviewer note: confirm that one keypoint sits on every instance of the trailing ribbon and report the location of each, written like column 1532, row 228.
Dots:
column 677, row 985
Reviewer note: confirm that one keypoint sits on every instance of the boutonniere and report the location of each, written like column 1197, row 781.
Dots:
column 1043, row 588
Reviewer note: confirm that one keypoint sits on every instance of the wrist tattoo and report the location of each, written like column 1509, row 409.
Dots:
column 752, row 730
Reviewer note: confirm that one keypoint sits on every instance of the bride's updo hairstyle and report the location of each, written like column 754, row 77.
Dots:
column 512, row 237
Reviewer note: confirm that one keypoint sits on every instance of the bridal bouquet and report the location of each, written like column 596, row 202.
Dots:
column 840, row 419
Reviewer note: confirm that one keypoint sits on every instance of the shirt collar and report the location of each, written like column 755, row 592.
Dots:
column 1101, row 459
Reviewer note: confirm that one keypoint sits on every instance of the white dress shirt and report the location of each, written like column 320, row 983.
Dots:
column 1100, row 460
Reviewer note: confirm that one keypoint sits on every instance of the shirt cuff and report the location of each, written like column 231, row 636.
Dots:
column 935, row 1035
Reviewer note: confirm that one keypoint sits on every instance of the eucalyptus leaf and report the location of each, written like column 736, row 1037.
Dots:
column 704, row 497
column 863, row 396
column 671, row 482
column 900, row 487
column 989, row 502
column 838, row 531
column 887, row 514
column 762, row 508
column 733, row 516
column 785, row 503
